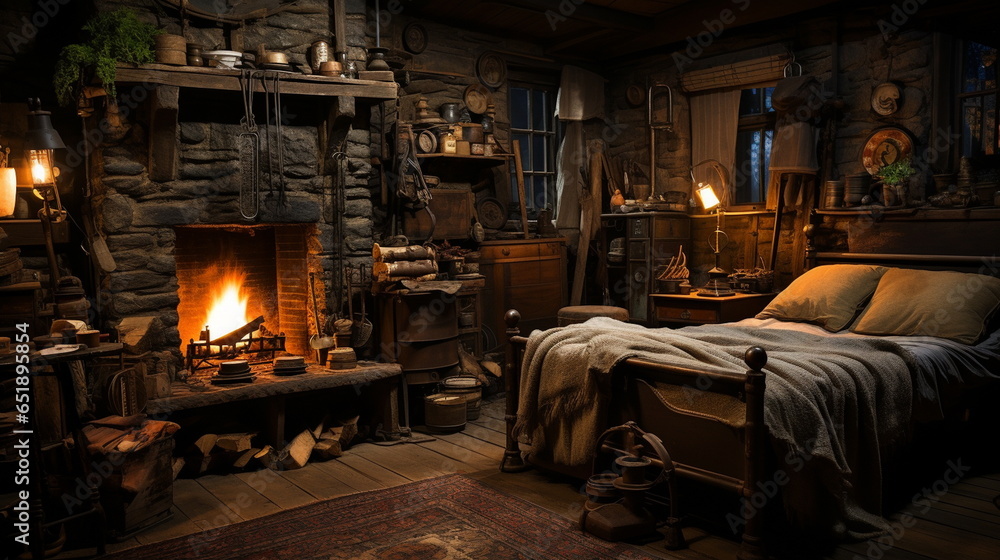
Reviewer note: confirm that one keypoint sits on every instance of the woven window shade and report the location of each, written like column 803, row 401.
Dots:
column 766, row 69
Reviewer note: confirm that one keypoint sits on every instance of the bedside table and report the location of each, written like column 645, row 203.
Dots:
column 693, row 309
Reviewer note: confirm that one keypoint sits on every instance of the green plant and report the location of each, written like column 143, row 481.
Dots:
column 117, row 36
column 896, row 172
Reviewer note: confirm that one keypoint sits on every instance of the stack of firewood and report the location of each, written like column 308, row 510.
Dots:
column 220, row 453
column 413, row 262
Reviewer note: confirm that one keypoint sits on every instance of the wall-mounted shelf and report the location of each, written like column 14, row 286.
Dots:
column 464, row 157
column 920, row 214
column 225, row 79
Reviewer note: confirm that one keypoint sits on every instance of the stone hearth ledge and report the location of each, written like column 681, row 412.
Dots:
column 187, row 396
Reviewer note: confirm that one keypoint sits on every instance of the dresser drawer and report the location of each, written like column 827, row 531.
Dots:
column 671, row 228
column 508, row 251
column 669, row 313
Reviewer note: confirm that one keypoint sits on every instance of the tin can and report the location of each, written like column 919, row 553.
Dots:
column 319, row 53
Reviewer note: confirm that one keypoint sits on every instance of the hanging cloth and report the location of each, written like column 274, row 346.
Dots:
column 714, row 121
column 794, row 163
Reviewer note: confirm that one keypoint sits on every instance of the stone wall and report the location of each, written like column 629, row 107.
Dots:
column 866, row 59
column 138, row 215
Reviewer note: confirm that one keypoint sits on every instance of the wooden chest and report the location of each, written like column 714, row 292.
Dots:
column 529, row 275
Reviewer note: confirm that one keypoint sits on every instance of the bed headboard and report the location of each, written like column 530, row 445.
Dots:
column 937, row 240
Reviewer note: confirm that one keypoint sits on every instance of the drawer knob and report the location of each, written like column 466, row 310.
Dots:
column 686, row 314
column 505, row 252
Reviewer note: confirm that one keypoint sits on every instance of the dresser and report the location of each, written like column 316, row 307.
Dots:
column 529, row 275
column 647, row 240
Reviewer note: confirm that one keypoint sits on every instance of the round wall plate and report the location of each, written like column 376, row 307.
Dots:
column 885, row 146
column 491, row 69
column 477, row 98
column 492, row 213
column 414, row 38
column 886, row 98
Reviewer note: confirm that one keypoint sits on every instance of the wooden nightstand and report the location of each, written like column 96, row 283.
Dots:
column 698, row 310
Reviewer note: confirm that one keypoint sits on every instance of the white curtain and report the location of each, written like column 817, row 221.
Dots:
column 714, row 120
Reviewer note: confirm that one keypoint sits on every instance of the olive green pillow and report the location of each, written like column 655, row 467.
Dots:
column 829, row 296
column 941, row 303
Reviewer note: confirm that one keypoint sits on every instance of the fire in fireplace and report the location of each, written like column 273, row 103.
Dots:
column 231, row 278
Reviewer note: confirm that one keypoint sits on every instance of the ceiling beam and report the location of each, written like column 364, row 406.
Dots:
column 581, row 38
column 561, row 10
column 714, row 17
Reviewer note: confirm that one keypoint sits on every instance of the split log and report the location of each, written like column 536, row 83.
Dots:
column 234, row 442
column 492, row 367
column 328, row 448
column 245, row 458
column 178, row 466
column 396, row 254
column 297, row 452
column 470, row 366
column 403, row 269
column 232, row 338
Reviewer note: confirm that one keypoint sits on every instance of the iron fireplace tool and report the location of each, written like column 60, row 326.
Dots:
column 249, row 150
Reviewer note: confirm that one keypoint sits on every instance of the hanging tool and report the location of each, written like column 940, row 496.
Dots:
column 249, row 150
column 280, row 138
column 267, row 135
column 654, row 125
column 363, row 328
column 319, row 340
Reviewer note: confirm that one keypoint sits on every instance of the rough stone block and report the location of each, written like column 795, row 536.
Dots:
column 212, row 170
column 122, row 166
column 137, row 280
column 133, row 186
column 168, row 213
column 140, row 334
column 118, row 213
column 127, row 241
column 194, row 132
column 130, row 303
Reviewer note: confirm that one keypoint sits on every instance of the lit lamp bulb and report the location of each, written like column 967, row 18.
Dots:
column 706, row 194
column 42, row 171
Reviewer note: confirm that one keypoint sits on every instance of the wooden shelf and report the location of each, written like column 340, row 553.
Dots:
column 25, row 233
column 225, row 79
column 921, row 213
column 462, row 157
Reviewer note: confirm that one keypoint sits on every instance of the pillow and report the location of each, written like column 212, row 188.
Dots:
column 941, row 303
column 829, row 296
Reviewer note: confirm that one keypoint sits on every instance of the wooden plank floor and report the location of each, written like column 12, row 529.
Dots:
column 960, row 523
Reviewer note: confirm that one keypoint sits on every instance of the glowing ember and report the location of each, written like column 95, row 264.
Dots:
column 228, row 310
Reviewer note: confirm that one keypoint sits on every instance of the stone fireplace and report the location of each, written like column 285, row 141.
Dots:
column 169, row 237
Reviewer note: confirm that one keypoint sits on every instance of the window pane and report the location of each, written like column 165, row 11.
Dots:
column 751, row 101
column 748, row 166
column 524, row 140
column 540, row 194
column 538, row 159
column 539, row 110
column 979, row 67
column 767, row 99
column 990, row 124
column 972, row 140
column 518, row 107
column 766, row 165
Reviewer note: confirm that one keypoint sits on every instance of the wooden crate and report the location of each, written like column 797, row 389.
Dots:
column 139, row 491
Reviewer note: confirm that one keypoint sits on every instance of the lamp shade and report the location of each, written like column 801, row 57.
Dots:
column 707, row 197
column 41, row 135
column 8, row 191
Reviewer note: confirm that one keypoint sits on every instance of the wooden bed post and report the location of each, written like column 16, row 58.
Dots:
column 752, row 547
column 512, row 460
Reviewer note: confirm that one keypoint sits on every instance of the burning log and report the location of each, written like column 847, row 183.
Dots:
column 396, row 254
column 403, row 269
column 232, row 338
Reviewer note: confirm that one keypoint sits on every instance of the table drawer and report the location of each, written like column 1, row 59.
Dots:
column 509, row 251
column 693, row 314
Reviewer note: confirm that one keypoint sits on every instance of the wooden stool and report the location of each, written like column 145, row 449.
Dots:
column 580, row 313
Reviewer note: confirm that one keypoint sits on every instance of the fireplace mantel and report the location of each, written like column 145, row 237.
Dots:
column 224, row 79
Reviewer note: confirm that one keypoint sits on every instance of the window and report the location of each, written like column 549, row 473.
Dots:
column 977, row 100
column 753, row 146
column 533, row 125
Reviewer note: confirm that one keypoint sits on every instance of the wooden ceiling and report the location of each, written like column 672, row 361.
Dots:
column 602, row 30
column 607, row 31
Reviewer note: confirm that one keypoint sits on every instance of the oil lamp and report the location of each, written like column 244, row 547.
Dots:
column 717, row 285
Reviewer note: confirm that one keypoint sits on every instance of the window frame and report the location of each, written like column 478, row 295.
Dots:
column 763, row 121
column 554, row 135
column 960, row 96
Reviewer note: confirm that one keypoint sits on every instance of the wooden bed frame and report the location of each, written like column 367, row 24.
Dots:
column 736, row 459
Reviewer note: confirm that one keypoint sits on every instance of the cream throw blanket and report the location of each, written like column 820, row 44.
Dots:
column 839, row 399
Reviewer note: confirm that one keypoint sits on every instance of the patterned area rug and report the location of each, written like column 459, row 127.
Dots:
column 445, row 518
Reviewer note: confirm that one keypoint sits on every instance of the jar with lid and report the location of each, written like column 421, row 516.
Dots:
column 448, row 143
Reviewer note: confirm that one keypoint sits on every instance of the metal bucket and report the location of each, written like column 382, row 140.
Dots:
column 470, row 389
column 444, row 412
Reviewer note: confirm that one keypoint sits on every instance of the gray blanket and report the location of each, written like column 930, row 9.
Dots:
column 840, row 400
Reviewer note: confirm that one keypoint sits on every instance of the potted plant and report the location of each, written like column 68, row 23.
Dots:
column 114, row 37
column 895, row 177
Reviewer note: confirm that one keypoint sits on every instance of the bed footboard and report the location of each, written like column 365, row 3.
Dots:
column 750, row 388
